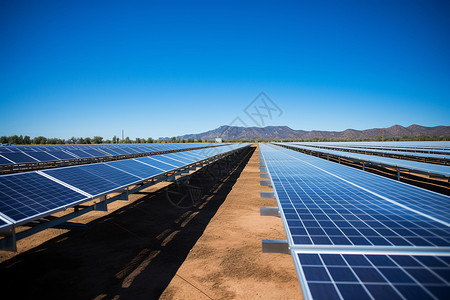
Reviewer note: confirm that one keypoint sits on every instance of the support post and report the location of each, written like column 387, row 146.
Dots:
column 267, row 195
column 269, row 211
column 265, row 183
column 124, row 196
column 8, row 243
column 275, row 246
column 102, row 205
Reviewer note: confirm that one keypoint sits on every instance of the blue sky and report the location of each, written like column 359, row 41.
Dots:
column 167, row 68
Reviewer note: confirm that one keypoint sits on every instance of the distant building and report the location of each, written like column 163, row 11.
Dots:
column 218, row 140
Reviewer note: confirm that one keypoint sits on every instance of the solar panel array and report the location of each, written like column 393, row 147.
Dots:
column 393, row 162
column 10, row 155
column 31, row 195
column 442, row 147
column 336, row 217
column 381, row 151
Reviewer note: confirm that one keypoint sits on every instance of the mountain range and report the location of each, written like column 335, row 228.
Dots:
column 286, row 133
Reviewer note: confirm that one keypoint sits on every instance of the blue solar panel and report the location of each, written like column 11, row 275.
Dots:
column 80, row 153
column 4, row 161
column 189, row 159
column 61, row 154
column 156, row 163
column 83, row 180
column 42, row 156
column 169, row 160
column 136, row 168
column 109, row 173
column 27, row 195
column 110, row 151
column 95, row 153
column 117, row 151
column 19, row 157
column 371, row 276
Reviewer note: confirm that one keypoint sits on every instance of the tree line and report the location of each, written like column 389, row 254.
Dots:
column 41, row 140
column 27, row 140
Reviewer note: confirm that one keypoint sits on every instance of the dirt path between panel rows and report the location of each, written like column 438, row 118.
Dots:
column 227, row 262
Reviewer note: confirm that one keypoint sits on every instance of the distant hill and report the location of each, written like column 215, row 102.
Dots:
column 287, row 133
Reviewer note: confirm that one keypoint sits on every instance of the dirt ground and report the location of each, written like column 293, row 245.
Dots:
column 147, row 249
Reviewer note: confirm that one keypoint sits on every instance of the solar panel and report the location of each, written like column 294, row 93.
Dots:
column 372, row 276
column 156, row 163
column 133, row 150
column 43, row 156
column 170, row 160
column 136, row 168
column 5, row 161
column 61, row 154
column 18, row 157
column 80, row 153
column 185, row 157
column 83, row 180
column 95, row 153
column 28, row 195
column 118, row 151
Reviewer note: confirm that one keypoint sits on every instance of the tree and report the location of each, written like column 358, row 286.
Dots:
column 97, row 139
column 127, row 140
column 40, row 140
column 149, row 140
column 13, row 139
column 115, row 140
column 3, row 139
column 27, row 140
column 88, row 140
